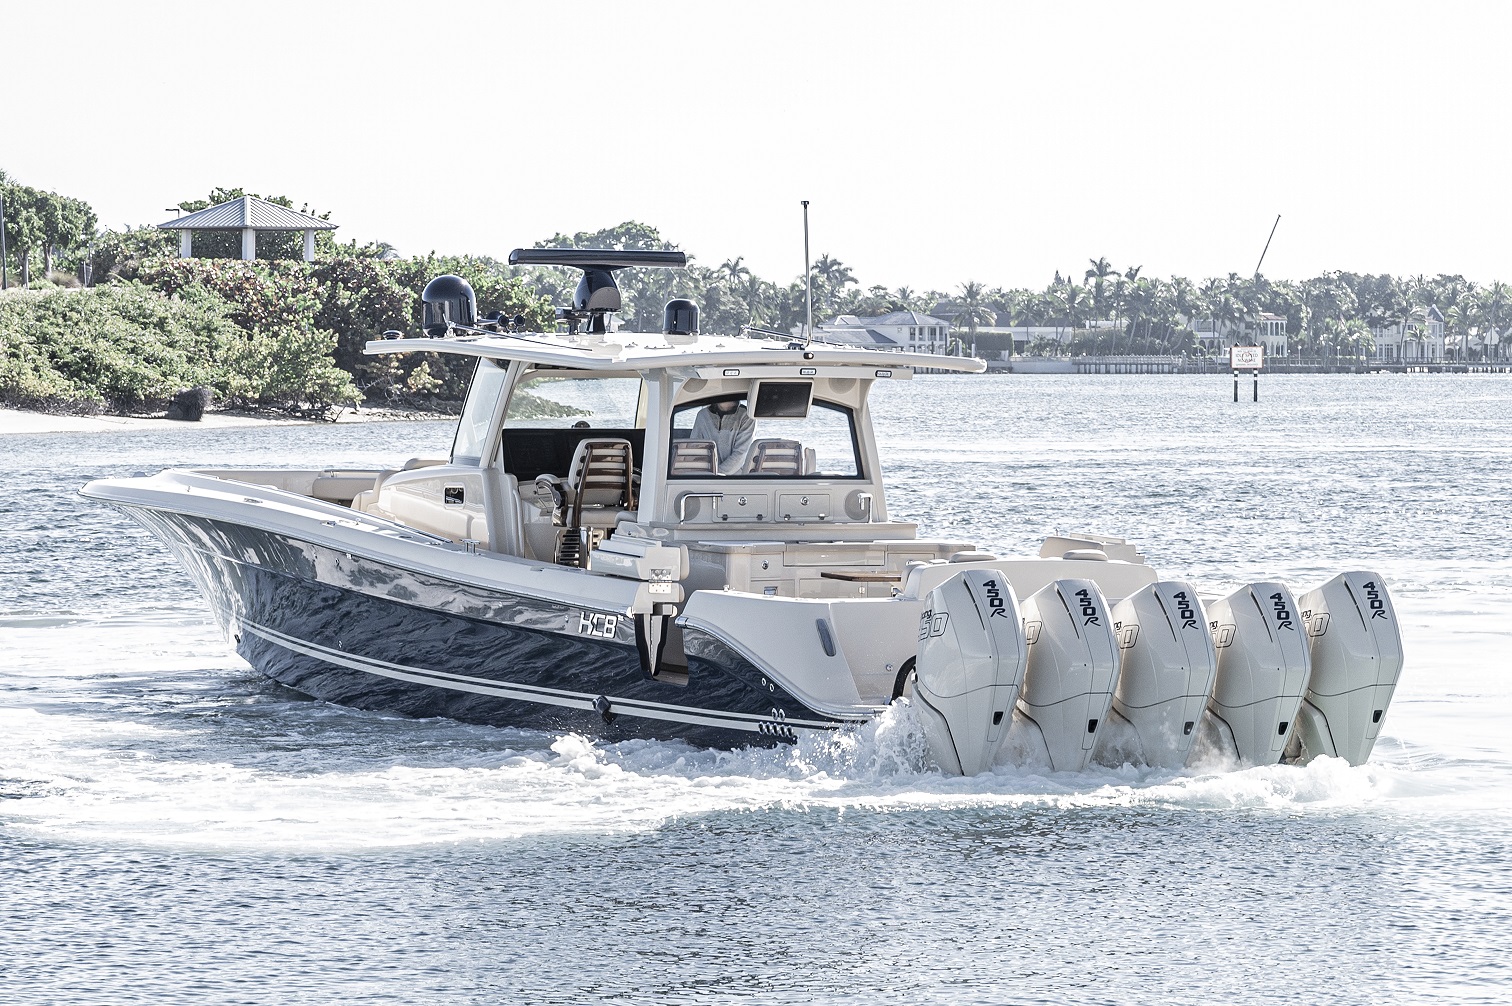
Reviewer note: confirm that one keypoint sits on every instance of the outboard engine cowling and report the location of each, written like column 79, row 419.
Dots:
column 1167, row 667
column 1072, row 670
column 1356, row 659
column 969, row 669
column 447, row 300
column 1263, row 666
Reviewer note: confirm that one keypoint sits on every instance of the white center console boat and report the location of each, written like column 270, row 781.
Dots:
column 712, row 559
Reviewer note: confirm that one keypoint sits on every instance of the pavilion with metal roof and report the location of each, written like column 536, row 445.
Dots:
column 249, row 215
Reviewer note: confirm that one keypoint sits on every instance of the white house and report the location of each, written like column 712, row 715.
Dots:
column 900, row 330
column 1421, row 340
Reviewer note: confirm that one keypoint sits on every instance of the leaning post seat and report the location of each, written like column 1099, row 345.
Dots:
column 777, row 457
column 600, row 485
column 693, row 457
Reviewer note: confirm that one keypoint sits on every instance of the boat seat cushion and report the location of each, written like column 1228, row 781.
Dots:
column 777, row 457
column 601, row 474
column 693, row 457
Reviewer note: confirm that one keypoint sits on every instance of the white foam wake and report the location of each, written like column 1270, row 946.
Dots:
column 131, row 730
column 104, row 780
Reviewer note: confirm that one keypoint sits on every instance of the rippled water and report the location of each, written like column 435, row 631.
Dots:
column 175, row 829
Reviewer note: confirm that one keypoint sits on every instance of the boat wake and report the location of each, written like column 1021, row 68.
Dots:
column 87, row 778
column 131, row 729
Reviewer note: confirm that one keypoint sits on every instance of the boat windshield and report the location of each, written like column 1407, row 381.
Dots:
column 719, row 436
column 555, row 401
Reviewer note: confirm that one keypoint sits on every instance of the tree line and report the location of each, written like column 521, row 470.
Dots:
column 34, row 219
column 1107, row 310
column 282, row 333
column 275, row 333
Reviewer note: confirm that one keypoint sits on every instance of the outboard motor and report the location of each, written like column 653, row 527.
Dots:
column 1073, row 669
column 1356, row 660
column 448, row 300
column 1263, row 666
column 680, row 322
column 1167, row 669
column 969, row 669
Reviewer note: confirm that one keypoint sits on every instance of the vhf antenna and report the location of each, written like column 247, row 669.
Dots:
column 1267, row 245
column 808, row 284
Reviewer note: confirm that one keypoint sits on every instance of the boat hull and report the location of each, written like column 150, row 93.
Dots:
column 362, row 632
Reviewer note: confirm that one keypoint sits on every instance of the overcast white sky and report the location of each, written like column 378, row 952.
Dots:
column 937, row 141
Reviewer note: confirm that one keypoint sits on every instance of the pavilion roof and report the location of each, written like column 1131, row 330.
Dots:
column 248, row 211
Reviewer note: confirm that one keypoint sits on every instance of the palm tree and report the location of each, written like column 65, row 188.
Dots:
column 834, row 272
column 735, row 273
column 757, row 294
column 1098, row 275
column 1101, row 268
column 1491, row 303
column 1070, row 301
column 1143, row 299
column 1229, row 310
column 1462, row 316
column 974, row 309
column 1186, row 303
column 831, row 277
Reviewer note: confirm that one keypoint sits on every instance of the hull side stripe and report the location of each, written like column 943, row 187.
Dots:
column 748, row 722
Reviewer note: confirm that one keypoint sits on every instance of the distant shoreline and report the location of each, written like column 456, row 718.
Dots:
column 21, row 422
column 1147, row 365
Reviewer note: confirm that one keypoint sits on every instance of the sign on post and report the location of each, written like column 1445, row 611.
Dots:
column 1246, row 357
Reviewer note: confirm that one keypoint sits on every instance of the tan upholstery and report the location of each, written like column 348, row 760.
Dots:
column 600, row 475
column 776, row 457
column 693, row 457
column 599, row 486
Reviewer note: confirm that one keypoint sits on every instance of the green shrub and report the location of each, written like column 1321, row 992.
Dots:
column 123, row 347
column 127, row 348
column 281, row 335
column 121, row 253
column 290, row 370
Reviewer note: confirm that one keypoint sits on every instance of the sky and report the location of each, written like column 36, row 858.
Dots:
column 937, row 142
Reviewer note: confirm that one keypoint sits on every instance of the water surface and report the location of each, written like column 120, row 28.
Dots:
column 174, row 828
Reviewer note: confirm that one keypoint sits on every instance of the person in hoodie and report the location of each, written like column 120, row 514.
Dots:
column 732, row 429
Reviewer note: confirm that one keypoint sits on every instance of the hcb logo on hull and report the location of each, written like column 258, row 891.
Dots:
column 596, row 624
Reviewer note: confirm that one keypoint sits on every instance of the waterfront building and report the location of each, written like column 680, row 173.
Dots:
column 1420, row 339
column 899, row 330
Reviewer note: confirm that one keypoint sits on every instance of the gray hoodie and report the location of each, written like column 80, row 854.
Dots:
column 732, row 434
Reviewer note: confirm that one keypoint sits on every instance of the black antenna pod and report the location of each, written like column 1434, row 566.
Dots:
column 597, row 296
